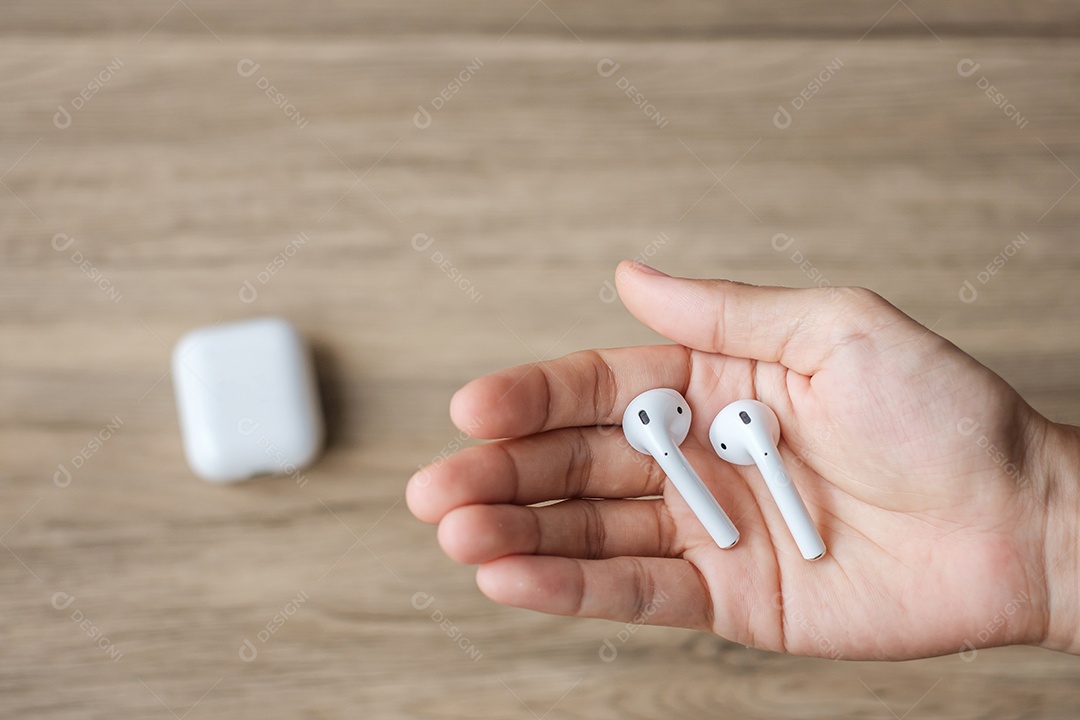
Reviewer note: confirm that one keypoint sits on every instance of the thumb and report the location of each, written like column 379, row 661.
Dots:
column 798, row 328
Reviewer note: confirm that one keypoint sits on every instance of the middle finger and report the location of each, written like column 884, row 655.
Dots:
column 558, row 464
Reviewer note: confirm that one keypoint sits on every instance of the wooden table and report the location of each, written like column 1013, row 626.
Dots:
column 431, row 191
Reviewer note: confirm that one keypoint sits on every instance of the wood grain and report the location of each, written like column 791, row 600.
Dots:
column 180, row 179
column 564, row 19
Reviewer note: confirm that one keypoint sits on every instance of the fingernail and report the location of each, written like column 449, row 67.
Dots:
column 648, row 269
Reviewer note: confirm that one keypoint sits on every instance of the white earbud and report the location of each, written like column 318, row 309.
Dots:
column 746, row 433
column 655, row 423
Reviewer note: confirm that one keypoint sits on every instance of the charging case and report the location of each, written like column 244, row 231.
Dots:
column 247, row 399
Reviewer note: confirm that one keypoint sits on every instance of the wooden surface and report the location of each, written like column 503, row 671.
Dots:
column 180, row 179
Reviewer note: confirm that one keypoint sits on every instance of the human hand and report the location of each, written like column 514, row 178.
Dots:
column 947, row 503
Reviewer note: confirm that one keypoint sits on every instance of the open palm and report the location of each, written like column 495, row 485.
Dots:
column 916, row 463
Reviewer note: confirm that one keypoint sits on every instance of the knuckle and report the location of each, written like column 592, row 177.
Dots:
column 579, row 470
column 595, row 533
column 666, row 526
column 605, row 384
column 861, row 310
column 859, row 298
column 644, row 588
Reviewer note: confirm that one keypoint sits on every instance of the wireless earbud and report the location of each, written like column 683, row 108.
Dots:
column 746, row 433
column 655, row 423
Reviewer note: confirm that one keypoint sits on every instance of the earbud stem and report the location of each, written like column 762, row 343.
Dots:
column 690, row 485
column 787, row 498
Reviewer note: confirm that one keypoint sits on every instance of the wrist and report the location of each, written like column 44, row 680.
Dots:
column 1058, row 451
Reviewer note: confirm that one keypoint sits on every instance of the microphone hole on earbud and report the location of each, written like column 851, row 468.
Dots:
column 665, row 453
column 723, row 446
column 679, row 409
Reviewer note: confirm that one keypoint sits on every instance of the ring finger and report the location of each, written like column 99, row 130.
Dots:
column 587, row 529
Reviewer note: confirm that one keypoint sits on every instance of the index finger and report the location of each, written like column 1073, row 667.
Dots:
column 591, row 387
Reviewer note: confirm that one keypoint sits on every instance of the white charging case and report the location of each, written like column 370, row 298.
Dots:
column 247, row 399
